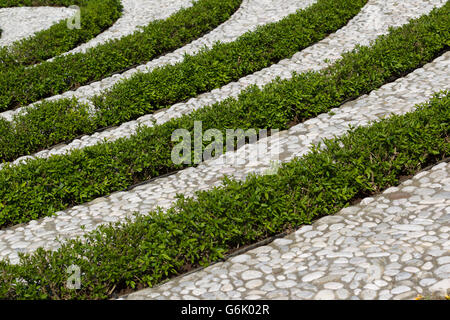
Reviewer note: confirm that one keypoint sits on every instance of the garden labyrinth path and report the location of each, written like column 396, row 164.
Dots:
column 395, row 245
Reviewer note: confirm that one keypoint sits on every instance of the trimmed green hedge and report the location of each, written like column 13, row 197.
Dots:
column 198, row 231
column 95, row 17
column 43, row 186
column 23, row 85
column 145, row 93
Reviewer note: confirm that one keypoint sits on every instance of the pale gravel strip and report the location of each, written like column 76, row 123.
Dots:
column 397, row 97
column 373, row 20
column 249, row 16
column 22, row 22
column 135, row 14
column 393, row 246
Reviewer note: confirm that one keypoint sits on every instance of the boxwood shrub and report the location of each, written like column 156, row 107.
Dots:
column 197, row 231
column 43, row 186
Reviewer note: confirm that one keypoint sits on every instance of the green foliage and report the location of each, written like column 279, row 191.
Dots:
column 209, row 69
column 224, row 63
column 197, row 231
column 22, row 85
column 43, row 186
column 95, row 17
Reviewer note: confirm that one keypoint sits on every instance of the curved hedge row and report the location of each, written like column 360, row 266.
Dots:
column 43, row 186
column 52, row 122
column 195, row 232
column 95, row 17
column 21, row 86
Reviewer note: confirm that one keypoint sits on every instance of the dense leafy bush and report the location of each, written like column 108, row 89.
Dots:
column 95, row 17
column 44, row 186
column 197, row 231
column 23, row 85
column 205, row 71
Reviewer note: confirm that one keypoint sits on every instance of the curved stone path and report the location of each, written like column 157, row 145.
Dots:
column 397, row 97
column 249, row 16
column 373, row 20
column 393, row 246
column 22, row 22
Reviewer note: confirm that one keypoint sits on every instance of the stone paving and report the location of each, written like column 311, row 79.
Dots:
column 250, row 15
column 135, row 14
column 22, row 22
column 397, row 97
column 393, row 246
column 373, row 20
